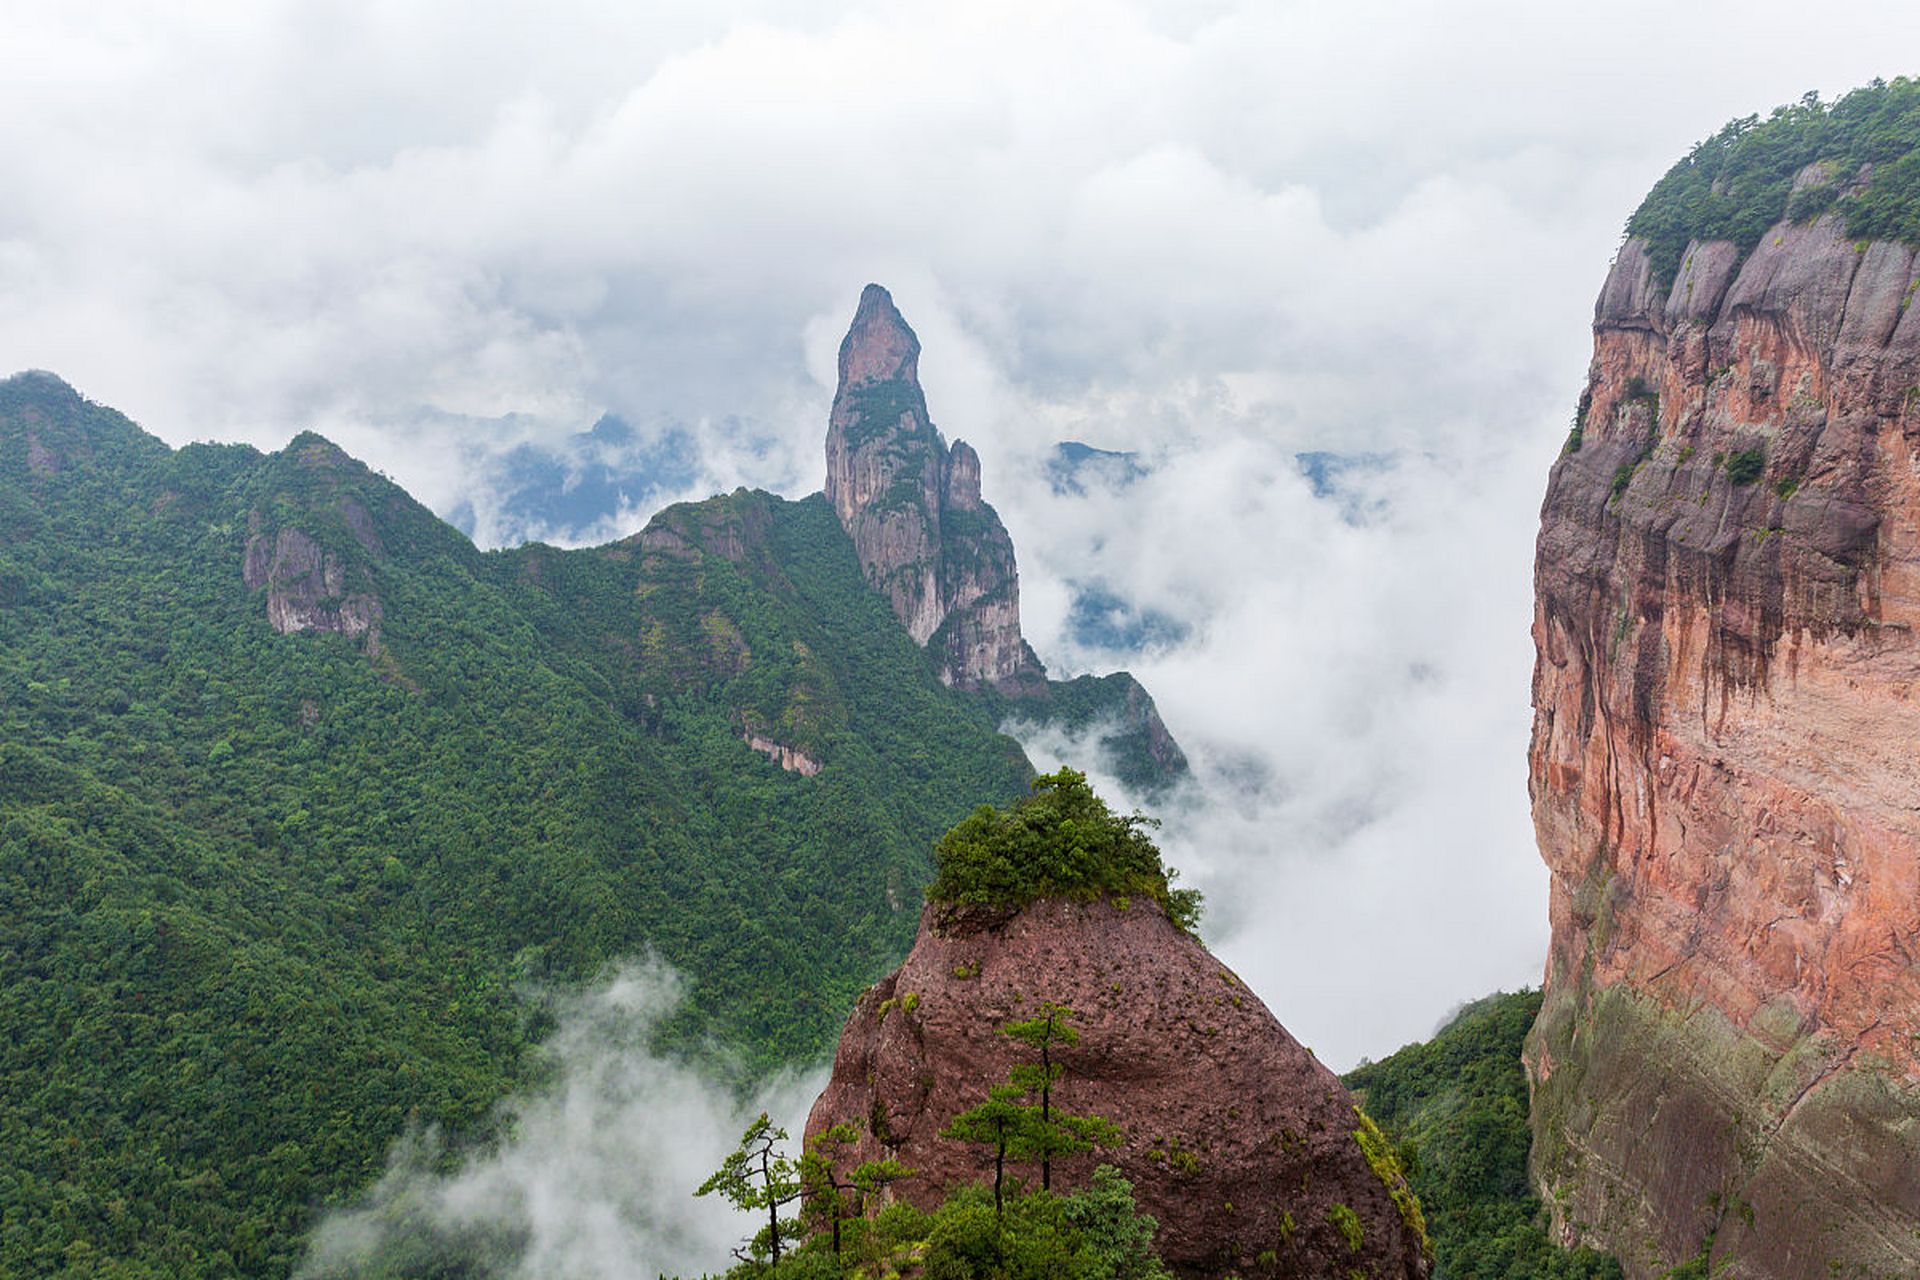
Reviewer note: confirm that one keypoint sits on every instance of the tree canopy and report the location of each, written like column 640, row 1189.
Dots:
column 1739, row 182
column 1062, row 841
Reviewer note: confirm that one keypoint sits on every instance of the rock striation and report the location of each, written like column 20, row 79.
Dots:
column 1723, row 769
column 1237, row 1140
column 913, row 508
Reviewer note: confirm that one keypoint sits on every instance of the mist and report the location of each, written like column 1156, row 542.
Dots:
column 594, row 1174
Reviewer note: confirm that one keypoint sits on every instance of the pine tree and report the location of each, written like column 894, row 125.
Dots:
column 757, row 1176
column 1001, row 1122
column 1041, row 1034
column 826, row 1196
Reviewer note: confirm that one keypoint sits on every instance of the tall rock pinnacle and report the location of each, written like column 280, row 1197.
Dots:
column 913, row 509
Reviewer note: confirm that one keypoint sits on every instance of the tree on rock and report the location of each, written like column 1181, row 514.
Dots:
column 1053, row 1135
column 1001, row 1122
column 828, row 1197
column 756, row 1176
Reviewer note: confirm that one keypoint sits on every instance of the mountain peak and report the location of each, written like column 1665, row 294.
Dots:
column 1246, row 1150
column 879, row 346
column 913, row 509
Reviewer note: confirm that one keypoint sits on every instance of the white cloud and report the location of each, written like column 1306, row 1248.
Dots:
column 594, row 1176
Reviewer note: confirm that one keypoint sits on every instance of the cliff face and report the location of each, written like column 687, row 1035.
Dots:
column 1236, row 1139
column 913, row 508
column 1723, row 767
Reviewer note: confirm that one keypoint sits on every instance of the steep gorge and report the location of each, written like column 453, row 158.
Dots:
column 1722, row 771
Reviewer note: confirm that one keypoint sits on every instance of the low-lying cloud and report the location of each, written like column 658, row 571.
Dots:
column 594, row 1174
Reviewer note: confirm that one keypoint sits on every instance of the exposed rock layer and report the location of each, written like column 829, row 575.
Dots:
column 1723, row 766
column 1237, row 1139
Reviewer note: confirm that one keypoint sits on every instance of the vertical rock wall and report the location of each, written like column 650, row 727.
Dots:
column 1725, row 767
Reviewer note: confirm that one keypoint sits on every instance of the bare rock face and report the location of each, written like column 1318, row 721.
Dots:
column 1723, row 769
column 913, row 509
column 305, row 586
column 311, row 587
column 1237, row 1140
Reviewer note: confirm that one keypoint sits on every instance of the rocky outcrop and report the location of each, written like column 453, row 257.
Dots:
column 313, row 544
column 306, row 586
column 1723, row 772
column 792, row 759
column 1237, row 1140
column 913, row 508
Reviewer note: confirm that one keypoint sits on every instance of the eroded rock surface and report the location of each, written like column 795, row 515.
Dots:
column 1237, row 1139
column 1724, row 776
column 913, row 508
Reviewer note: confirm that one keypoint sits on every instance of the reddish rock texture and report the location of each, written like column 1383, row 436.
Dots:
column 1230, row 1124
column 913, row 509
column 1724, row 773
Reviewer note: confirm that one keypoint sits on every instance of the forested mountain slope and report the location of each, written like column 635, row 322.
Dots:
column 296, row 787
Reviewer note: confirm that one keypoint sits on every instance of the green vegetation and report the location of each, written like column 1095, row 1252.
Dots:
column 758, row 1175
column 1455, row 1113
column 1027, row 1132
column 1114, row 709
column 1746, row 466
column 1061, row 841
column 268, row 901
column 829, row 1198
column 1348, row 1224
column 1095, row 1233
column 1386, row 1166
column 1738, row 183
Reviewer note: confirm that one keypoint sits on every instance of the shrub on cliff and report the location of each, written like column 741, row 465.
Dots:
column 1060, row 842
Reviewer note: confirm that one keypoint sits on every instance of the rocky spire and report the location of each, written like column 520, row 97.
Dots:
column 914, row 511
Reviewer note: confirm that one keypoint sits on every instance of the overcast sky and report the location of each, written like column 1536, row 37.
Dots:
column 1214, row 233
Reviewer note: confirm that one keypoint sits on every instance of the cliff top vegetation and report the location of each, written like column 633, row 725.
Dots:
column 1739, row 182
column 1060, row 842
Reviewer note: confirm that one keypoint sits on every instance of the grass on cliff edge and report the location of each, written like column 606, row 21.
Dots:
column 1456, row 1108
column 1739, row 182
column 1060, row 842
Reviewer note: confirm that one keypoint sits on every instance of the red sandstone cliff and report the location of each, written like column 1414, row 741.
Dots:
column 1725, row 767
column 1237, row 1140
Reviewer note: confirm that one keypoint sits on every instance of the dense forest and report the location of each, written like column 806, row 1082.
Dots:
column 268, row 899
column 1456, row 1108
column 1739, row 182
